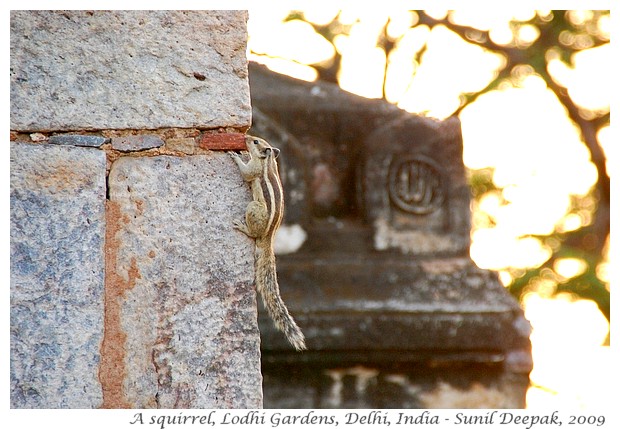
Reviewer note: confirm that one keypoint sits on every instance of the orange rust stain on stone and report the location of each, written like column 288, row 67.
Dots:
column 140, row 206
column 59, row 177
column 112, row 366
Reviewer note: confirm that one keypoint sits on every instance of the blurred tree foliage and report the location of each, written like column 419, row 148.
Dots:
column 560, row 34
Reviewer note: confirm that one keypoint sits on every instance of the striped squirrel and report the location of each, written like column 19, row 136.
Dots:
column 262, row 218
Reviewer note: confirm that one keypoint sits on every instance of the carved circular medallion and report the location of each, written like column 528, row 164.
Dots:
column 415, row 184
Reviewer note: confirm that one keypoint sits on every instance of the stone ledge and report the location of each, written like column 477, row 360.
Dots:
column 412, row 305
column 93, row 70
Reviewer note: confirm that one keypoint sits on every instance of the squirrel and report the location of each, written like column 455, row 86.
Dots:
column 262, row 219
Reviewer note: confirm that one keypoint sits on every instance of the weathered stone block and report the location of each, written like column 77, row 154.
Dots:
column 78, row 140
column 185, row 145
column 128, row 70
column 135, row 143
column 57, row 239
column 38, row 137
column 182, row 330
column 415, row 193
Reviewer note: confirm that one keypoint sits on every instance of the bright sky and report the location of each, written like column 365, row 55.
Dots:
column 522, row 132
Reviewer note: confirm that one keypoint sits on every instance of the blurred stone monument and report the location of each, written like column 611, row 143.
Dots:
column 373, row 261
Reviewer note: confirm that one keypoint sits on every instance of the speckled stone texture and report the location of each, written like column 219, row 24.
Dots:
column 57, row 273
column 78, row 140
column 130, row 290
column 136, row 143
column 81, row 70
column 180, row 282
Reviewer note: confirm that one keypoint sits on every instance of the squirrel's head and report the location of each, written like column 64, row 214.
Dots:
column 260, row 148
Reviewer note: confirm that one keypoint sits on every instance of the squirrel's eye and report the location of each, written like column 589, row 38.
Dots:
column 255, row 141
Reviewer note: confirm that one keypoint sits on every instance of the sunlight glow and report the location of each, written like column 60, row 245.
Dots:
column 434, row 86
column 497, row 248
column 528, row 34
column 554, row 350
column 320, row 15
column 363, row 66
column 589, row 80
column 495, row 134
column 278, row 65
column 400, row 23
column 502, row 35
column 570, row 267
column 612, row 154
column 284, row 43
column 402, row 63
column 604, row 26
column 372, row 61
column 602, row 272
column 571, row 222
column 497, row 22
column 505, row 277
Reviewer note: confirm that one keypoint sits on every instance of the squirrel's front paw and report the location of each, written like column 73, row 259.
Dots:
column 241, row 226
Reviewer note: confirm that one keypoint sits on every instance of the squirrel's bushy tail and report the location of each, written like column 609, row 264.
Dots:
column 267, row 286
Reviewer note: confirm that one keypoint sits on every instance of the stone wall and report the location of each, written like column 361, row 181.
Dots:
column 129, row 287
